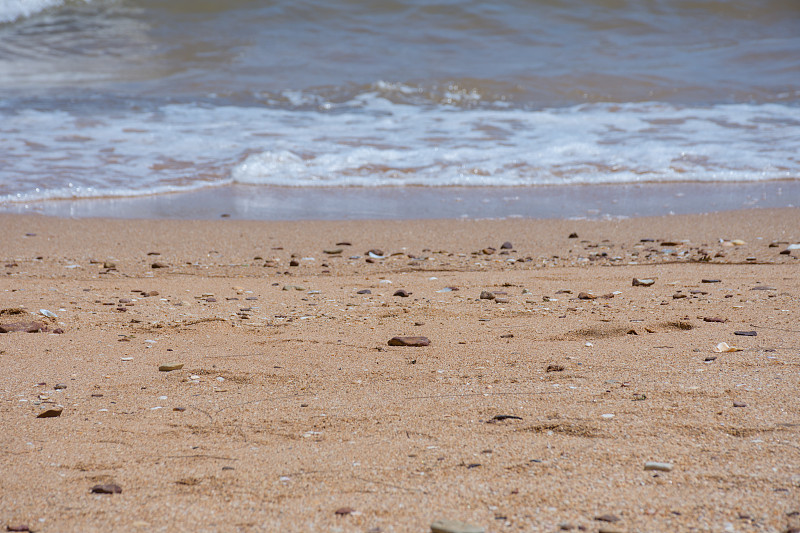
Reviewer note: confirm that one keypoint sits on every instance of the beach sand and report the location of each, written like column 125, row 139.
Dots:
column 536, row 410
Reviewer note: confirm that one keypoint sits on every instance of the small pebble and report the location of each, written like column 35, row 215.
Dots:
column 642, row 282
column 745, row 333
column 586, row 296
column 661, row 467
column 50, row 413
column 159, row 264
column 739, row 404
column 409, row 341
column 607, row 518
column 342, row 511
column 402, row 293
column 486, row 295
column 454, row 526
column 169, row 367
column 107, row 488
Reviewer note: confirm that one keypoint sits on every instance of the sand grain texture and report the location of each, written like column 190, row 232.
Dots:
column 528, row 412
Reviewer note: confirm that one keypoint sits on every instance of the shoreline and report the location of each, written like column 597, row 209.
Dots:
column 406, row 203
column 541, row 405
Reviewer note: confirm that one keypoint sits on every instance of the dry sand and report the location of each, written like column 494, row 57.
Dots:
column 291, row 405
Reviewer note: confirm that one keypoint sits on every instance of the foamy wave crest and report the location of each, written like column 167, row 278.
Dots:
column 370, row 141
column 11, row 10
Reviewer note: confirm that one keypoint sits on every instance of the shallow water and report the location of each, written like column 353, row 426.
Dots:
column 131, row 98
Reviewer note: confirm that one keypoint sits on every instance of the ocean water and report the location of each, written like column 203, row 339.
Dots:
column 123, row 99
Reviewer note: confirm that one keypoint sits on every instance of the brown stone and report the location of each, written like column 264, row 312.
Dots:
column 27, row 327
column 50, row 413
column 402, row 293
column 409, row 341
column 159, row 264
column 586, row 296
column 106, row 488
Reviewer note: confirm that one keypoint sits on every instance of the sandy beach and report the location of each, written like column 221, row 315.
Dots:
column 554, row 393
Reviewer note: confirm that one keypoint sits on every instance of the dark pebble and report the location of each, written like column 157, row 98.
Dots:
column 402, row 293
column 60, row 386
column 364, row 291
column 409, row 341
column 159, row 264
column 486, row 295
column 107, row 488
column 50, row 413
column 714, row 319
column 709, row 281
column 746, row 333
column 507, row 246
column 586, row 296
column 507, row 336
column 554, row 368
column 343, row 511
column 294, row 263
column 17, row 527
column 739, row 404
column 573, row 235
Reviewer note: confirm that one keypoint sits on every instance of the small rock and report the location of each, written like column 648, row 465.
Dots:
column 454, row 526
column 343, row 511
column 159, row 264
column 501, row 300
column 661, row 467
column 745, row 333
column 50, row 413
column 402, row 293
column 678, row 296
column 586, row 296
column 643, row 282
column 27, row 327
column 554, row 368
column 639, row 397
column 293, row 288
column 488, row 251
column 507, row 246
column 486, row 295
column 333, row 251
column 573, row 236
column 106, row 488
column 710, row 281
column 714, row 319
column 607, row 518
column 364, row 291
column 409, row 341
column 763, row 288
column 60, row 386
column 739, row 404
column 294, row 263
column 17, row 527
column 169, row 367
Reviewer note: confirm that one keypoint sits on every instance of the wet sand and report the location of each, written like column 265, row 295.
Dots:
column 535, row 409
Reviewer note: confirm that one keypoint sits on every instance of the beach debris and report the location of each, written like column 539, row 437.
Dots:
column 746, row 333
column 106, row 488
column 27, row 327
column 705, row 280
column 60, row 386
column 409, row 341
column 739, row 404
column 375, row 254
column 586, row 296
column 50, row 413
column 486, row 295
column 642, row 282
column 159, row 264
column 724, row 347
column 48, row 314
column 333, row 251
column 507, row 246
column 402, row 293
column 293, row 288
column 639, row 397
column 500, row 418
column 714, row 319
column 661, row 467
column 344, row 511
column 554, row 367
column 169, row 367
column 454, row 526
